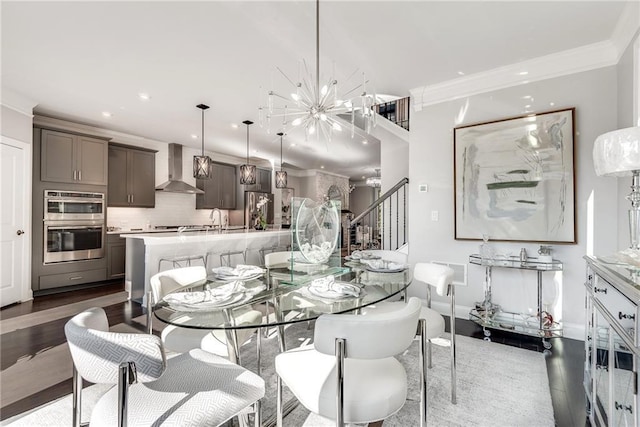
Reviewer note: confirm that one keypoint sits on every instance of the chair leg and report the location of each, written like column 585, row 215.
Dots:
column 77, row 397
column 422, row 331
column 258, row 350
column 429, row 365
column 279, row 401
column 149, row 312
column 258, row 413
column 126, row 376
column 453, row 343
column 340, row 355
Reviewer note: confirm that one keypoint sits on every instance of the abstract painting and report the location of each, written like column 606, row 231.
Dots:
column 514, row 179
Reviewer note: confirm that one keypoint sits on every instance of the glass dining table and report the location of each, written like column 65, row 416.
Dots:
column 283, row 294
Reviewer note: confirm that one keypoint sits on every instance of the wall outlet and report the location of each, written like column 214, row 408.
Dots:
column 423, row 188
column 434, row 215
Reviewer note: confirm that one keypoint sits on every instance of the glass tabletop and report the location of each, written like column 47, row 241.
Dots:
column 288, row 297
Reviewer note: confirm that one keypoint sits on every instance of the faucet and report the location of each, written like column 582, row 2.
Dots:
column 213, row 221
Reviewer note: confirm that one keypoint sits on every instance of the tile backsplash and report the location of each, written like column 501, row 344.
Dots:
column 171, row 209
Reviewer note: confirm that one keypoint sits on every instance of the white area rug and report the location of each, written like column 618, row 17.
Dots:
column 498, row 385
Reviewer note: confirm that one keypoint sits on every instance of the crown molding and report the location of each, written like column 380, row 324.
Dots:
column 626, row 28
column 585, row 58
column 17, row 102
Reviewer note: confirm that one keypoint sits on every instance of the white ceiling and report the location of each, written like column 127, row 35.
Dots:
column 79, row 59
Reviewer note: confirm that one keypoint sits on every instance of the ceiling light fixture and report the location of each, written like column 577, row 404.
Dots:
column 316, row 108
column 281, row 176
column 374, row 181
column 247, row 171
column 201, row 164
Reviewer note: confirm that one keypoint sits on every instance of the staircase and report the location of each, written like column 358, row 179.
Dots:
column 383, row 225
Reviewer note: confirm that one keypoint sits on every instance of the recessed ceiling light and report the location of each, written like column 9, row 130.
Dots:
column 293, row 144
column 523, row 73
column 461, row 73
column 527, row 106
column 552, row 103
column 363, row 176
column 144, row 96
column 365, row 142
column 234, row 125
column 194, row 136
column 526, row 97
column 321, row 166
column 106, row 114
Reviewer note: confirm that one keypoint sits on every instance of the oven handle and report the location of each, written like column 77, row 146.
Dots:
column 73, row 227
column 51, row 199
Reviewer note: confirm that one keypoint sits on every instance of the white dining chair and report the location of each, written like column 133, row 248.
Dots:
column 439, row 277
column 346, row 375
column 181, row 340
column 191, row 389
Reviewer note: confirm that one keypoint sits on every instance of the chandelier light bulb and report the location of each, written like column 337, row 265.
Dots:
column 296, row 122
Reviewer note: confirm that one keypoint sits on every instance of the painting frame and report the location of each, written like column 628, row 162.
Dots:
column 514, row 179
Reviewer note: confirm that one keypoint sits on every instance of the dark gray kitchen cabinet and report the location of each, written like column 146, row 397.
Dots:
column 132, row 175
column 75, row 159
column 115, row 256
column 220, row 191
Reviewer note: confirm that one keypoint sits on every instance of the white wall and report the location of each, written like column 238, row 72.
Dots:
column 593, row 94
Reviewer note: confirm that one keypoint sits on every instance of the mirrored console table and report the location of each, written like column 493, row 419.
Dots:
column 491, row 316
column 612, row 351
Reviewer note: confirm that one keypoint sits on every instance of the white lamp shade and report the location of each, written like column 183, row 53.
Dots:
column 617, row 153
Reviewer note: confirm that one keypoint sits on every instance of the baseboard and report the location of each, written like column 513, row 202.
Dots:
column 570, row 330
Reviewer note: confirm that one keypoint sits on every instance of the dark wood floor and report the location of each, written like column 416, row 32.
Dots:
column 564, row 361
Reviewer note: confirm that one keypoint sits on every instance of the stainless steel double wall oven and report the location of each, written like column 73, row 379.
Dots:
column 74, row 226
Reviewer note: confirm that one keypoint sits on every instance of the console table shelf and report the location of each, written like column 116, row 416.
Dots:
column 489, row 315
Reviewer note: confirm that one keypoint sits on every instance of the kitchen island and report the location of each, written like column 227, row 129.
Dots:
column 145, row 250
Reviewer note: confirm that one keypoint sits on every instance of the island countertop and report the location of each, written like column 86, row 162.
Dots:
column 146, row 251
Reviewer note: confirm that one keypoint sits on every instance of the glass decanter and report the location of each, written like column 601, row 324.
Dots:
column 487, row 251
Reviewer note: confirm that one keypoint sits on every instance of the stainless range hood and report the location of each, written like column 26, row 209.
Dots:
column 175, row 183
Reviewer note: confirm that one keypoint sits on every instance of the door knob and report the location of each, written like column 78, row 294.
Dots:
column 19, row 232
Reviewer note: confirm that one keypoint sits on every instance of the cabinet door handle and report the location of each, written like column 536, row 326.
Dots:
column 20, row 232
column 132, row 199
column 626, row 316
column 75, row 278
column 80, row 175
column 75, row 175
column 596, row 290
column 620, row 406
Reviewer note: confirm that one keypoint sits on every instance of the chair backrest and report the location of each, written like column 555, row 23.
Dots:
column 97, row 353
column 277, row 258
column 436, row 275
column 170, row 280
column 369, row 336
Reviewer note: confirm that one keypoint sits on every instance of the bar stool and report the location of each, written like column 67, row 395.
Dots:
column 181, row 261
column 225, row 257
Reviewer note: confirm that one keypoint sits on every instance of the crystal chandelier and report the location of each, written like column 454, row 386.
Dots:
column 316, row 108
column 247, row 171
column 201, row 169
column 374, row 181
column 281, row 176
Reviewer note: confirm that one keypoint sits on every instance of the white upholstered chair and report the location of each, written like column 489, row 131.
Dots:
column 191, row 389
column 181, row 340
column 346, row 375
column 439, row 277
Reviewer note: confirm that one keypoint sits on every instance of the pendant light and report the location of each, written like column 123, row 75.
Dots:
column 201, row 164
column 247, row 171
column 281, row 176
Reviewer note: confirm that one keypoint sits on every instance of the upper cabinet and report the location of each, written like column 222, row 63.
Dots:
column 132, row 175
column 74, row 159
column 220, row 190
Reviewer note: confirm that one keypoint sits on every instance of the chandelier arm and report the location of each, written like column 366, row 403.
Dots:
column 279, row 96
column 317, row 49
column 286, row 77
column 289, row 113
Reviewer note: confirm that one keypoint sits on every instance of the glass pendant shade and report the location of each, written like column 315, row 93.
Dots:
column 247, row 174
column 247, row 171
column 281, row 179
column 202, row 163
column 281, row 176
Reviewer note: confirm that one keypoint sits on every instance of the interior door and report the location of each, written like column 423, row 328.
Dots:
column 14, row 219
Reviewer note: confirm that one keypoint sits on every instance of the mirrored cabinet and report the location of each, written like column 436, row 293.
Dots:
column 612, row 349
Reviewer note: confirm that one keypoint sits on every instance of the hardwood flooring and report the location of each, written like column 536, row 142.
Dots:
column 564, row 361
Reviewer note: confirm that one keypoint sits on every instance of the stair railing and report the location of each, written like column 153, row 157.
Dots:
column 383, row 225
